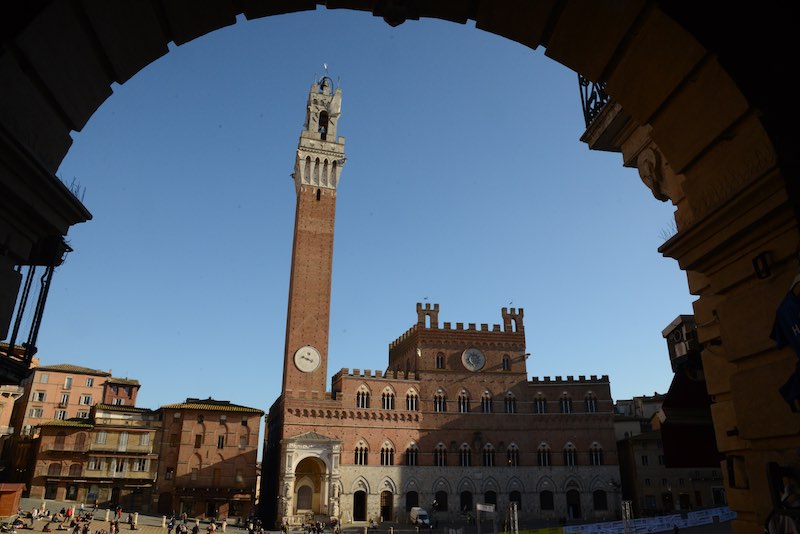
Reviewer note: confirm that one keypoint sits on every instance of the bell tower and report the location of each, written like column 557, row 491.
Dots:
column 318, row 164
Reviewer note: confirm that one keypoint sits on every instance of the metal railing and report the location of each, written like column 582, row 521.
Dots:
column 593, row 98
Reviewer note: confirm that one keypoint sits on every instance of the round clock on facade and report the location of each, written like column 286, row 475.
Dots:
column 307, row 359
column 473, row 359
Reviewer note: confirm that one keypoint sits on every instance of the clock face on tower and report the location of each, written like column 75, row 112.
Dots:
column 307, row 359
column 473, row 359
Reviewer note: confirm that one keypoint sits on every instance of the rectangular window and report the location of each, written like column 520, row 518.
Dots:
column 120, row 467
column 650, row 502
column 64, row 399
column 139, row 464
column 223, row 418
column 89, row 382
column 44, row 378
column 173, row 440
column 35, row 412
column 664, row 482
column 220, row 442
column 39, row 396
column 83, row 414
column 144, row 439
column 239, row 475
column 61, row 414
column 660, row 459
column 242, row 442
column 170, row 473
column 86, row 400
column 118, row 402
column 198, row 441
column 647, row 482
column 645, row 460
column 68, row 382
column 102, row 436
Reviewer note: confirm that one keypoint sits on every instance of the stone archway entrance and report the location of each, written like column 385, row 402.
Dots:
column 310, row 476
column 387, row 506
column 734, row 158
column 360, row 505
column 573, row 504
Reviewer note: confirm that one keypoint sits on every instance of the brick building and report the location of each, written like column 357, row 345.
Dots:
column 452, row 421
column 109, row 457
column 654, row 489
column 58, row 392
column 207, row 458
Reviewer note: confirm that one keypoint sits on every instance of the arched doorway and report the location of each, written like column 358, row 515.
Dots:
column 440, row 501
column 360, row 505
column 573, row 504
column 412, row 500
column 465, row 501
column 309, row 476
column 387, row 506
column 304, row 499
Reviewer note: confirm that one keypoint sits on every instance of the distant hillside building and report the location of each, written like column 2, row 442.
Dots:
column 452, row 422
column 208, row 453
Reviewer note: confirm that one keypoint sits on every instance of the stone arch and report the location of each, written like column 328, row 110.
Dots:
column 572, row 482
column 515, row 484
column 388, row 484
column 466, row 484
column 598, row 483
column 441, row 484
column 490, row 484
column 360, row 484
column 411, row 485
column 546, row 484
column 650, row 55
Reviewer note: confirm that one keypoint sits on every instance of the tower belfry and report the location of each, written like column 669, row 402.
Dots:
column 318, row 164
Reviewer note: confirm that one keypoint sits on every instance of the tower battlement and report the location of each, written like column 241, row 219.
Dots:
column 593, row 379
column 512, row 320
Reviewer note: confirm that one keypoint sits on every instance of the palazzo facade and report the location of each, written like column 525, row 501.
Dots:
column 450, row 421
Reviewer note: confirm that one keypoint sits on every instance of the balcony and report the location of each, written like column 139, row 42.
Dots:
column 63, row 447
column 116, row 447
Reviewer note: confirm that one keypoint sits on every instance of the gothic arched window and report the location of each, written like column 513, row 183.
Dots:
column 488, row 455
column 513, row 455
column 463, row 402
column 464, row 456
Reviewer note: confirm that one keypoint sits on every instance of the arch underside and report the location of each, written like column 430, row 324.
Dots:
column 699, row 109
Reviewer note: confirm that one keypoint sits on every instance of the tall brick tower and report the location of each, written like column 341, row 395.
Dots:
column 320, row 156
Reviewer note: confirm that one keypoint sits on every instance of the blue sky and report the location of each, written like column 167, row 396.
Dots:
column 465, row 184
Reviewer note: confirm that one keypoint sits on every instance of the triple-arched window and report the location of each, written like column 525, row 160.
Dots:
column 362, row 397
column 361, row 454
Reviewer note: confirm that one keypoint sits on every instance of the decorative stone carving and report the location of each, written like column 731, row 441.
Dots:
column 649, row 165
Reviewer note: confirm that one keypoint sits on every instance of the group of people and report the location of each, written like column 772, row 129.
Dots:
column 67, row 519
column 182, row 527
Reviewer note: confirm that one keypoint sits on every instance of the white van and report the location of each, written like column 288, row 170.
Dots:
column 419, row 517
